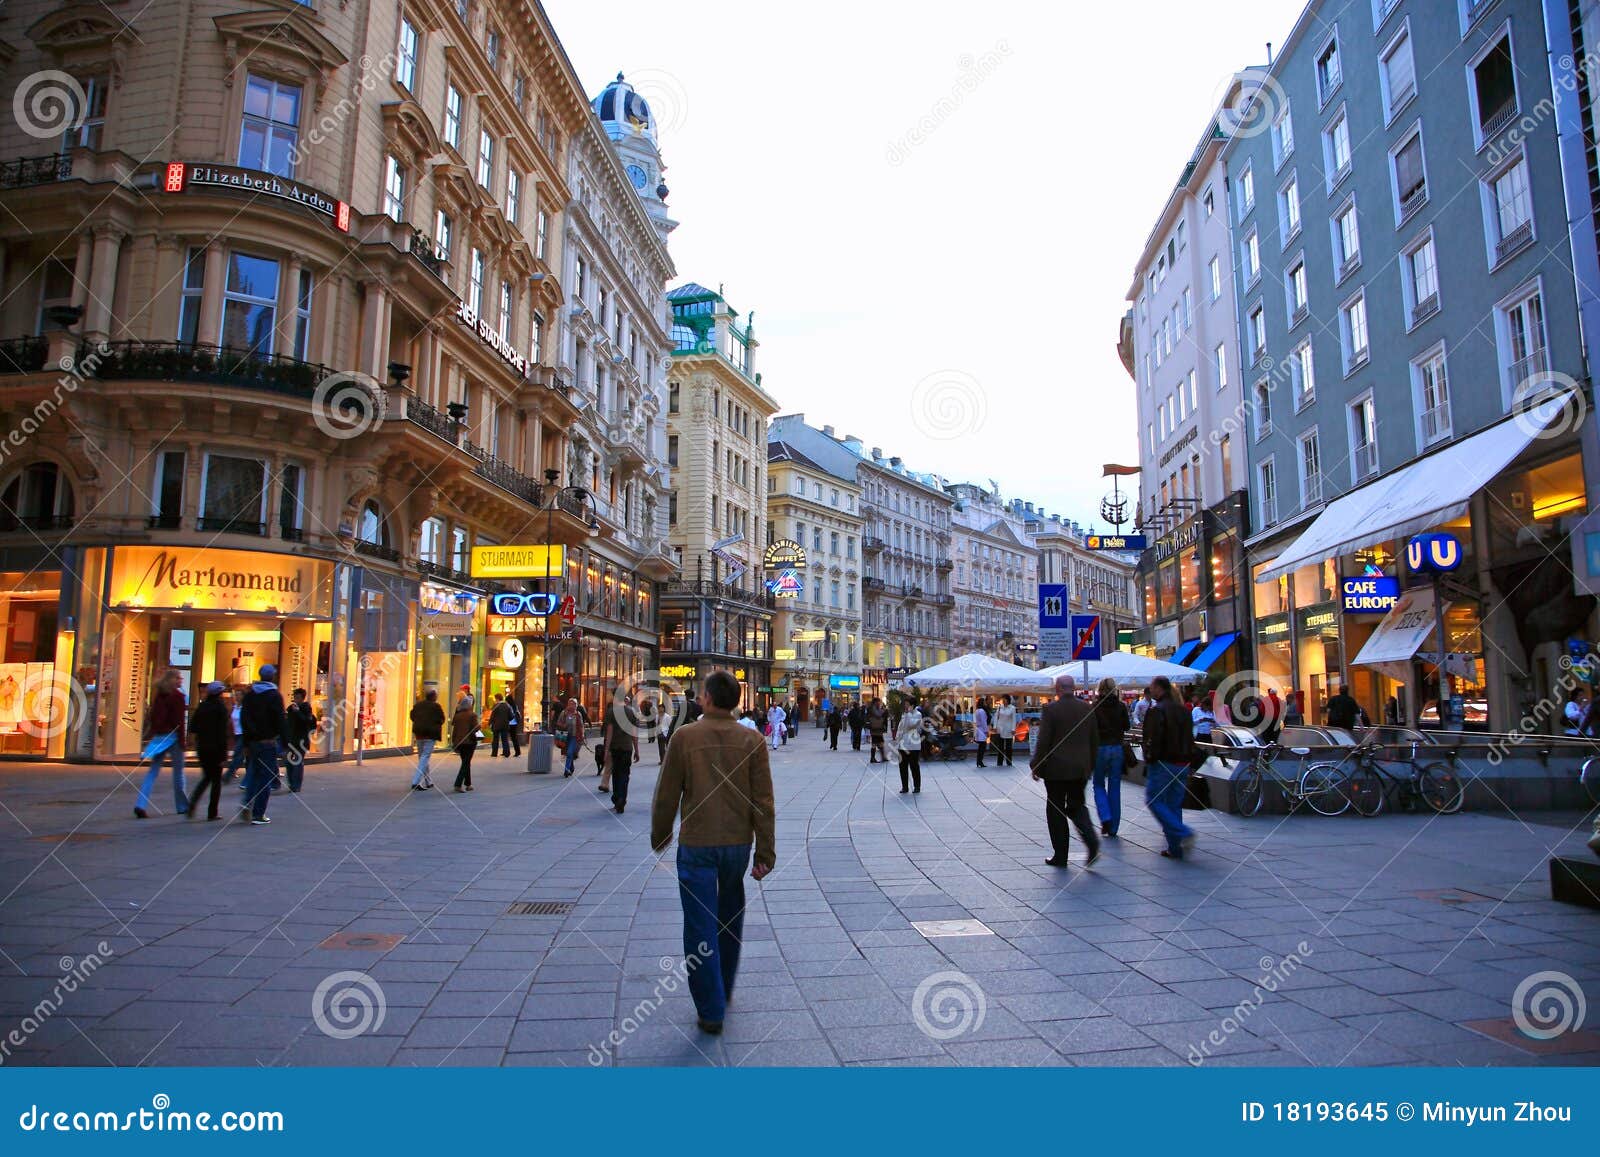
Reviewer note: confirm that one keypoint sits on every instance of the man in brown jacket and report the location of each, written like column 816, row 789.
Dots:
column 717, row 772
column 1063, row 757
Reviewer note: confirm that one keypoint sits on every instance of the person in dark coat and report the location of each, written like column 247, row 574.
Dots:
column 877, row 720
column 857, row 719
column 427, row 729
column 262, row 719
column 1168, row 748
column 1111, row 719
column 211, row 728
column 464, row 741
column 500, row 716
column 835, row 722
column 300, row 724
column 1063, row 758
column 164, row 735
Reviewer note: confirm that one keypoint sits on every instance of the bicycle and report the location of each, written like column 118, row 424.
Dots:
column 1370, row 783
column 1589, row 777
column 1324, row 786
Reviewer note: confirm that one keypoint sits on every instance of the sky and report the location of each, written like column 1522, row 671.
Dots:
column 933, row 209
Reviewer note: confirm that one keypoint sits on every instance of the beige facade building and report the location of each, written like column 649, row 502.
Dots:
column 717, row 614
column 1098, row 582
column 315, row 271
column 996, row 577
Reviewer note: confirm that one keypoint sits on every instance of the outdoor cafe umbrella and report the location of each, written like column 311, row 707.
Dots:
column 1128, row 669
column 979, row 674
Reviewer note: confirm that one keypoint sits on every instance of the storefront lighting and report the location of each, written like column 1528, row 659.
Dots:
column 1558, row 507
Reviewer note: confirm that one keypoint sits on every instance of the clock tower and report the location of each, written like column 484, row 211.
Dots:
column 630, row 124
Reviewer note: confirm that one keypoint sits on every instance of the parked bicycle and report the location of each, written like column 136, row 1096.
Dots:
column 1589, row 777
column 1370, row 784
column 1324, row 786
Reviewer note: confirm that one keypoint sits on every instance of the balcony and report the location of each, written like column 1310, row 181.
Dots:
column 1412, row 200
column 225, row 525
column 171, row 361
column 710, row 589
column 1350, row 265
column 1494, row 123
column 871, row 544
column 434, row 421
column 26, row 171
column 428, row 255
column 23, row 355
column 1436, row 423
column 376, row 550
column 508, row 478
column 166, row 522
column 449, row 574
column 945, row 564
column 1525, row 369
column 1519, row 238
column 1364, row 461
column 942, row 600
column 1301, row 312
column 871, row 584
column 12, row 522
column 1425, row 309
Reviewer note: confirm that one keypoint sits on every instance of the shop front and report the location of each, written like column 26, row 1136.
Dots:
column 1190, row 583
column 450, row 638
column 43, row 709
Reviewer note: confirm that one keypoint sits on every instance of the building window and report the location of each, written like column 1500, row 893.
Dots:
column 1397, row 75
column 1353, row 332
column 1329, row 71
column 1430, row 383
column 1289, row 210
column 519, row 92
column 1251, row 251
column 1263, row 410
column 1303, row 375
column 430, row 546
column 536, row 351
column 1508, row 209
column 441, row 234
column 233, row 494
column 1419, row 280
column 1310, row 469
column 540, row 231
column 1282, row 137
column 505, row 311
column 372, row 527
column 168, row 504
column 302, row 317
column 405, row 68
column 1494, row 89
column 1346, row 241
column 194, row 284
column 452, row 116
column 1296, row 288
column 1267, row 492
column 87, row 129
column 271, row 126
column 1209, row 202
column 1410, row 176
column 1363, row 415
column 485, row 159
column 491, row 46
column 394, row 188
column 1247, row 191
column 1336, row 149
column 1523, row 351
column 291, row 501
column 1220, row 358
column 513, row 195
column 1214, row 276
column 250, row 303
column 475, row 284
column 1258, row 334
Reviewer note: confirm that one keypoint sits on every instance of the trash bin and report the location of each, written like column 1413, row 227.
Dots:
column 541, row 750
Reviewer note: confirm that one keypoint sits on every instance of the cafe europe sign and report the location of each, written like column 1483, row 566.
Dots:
column 181, row 175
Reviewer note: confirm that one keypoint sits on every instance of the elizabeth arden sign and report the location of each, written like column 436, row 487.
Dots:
column 204, row 579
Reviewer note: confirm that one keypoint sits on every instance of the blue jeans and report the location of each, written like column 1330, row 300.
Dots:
column 1164, row 786
column 573, row 746
column 424, row 762
column 1108, row 785
column 261, row 771
column 174, row 755
column 711, row 886
column 235, row 761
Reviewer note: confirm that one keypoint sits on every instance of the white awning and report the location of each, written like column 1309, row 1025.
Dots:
column 1415, row 498
column 1401, row 633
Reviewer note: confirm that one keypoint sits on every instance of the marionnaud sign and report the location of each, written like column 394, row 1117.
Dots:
column 1369, row 594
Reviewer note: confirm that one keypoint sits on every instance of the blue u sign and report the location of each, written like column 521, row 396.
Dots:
column 1433, row 553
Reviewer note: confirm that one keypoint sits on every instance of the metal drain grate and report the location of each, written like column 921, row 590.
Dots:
column 540, row 908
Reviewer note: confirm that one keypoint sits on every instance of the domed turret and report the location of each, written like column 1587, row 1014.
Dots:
column 623, row 111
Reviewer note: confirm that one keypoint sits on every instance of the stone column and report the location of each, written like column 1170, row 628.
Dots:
column 289, row 309
column 82, row 268
column 161, row 313
column 102, row 283
column 210, row 329
column 374, row 331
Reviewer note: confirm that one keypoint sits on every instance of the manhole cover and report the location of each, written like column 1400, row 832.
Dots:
column 74, row 837
column 540, row 908
column 556, row 821
column 933, row 929
column 362, row 941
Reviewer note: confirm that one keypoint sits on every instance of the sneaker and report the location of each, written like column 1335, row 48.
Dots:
column 469, row 787
column 711, row 1027
column 258, row 823
column 1187, row 842
column 1094, row 855
column 140, row 814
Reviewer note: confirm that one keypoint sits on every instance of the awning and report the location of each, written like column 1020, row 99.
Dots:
column 1397, row 638
column 1413, row 498
column 1214, row 650
column 1185, row 649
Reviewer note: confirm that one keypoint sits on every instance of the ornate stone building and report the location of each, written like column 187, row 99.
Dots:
column 996, row 576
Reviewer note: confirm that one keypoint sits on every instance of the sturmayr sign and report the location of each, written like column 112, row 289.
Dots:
column 181, row 175
column 224, row 580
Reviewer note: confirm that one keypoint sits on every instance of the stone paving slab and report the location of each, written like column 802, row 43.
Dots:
column 1283, row 940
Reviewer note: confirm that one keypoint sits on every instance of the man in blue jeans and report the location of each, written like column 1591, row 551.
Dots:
column 717, row 773
column 1168, row 747
column 261, row 721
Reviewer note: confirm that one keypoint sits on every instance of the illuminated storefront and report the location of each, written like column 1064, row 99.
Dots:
column 1190, row 584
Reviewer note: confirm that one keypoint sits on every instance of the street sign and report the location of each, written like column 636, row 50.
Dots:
column 1114, row 542
column 725, row 543
column 1085, row 637
column 1053, row 605
column 1055, row 635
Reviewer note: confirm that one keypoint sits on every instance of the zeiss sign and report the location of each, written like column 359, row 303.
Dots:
column 1369, row 594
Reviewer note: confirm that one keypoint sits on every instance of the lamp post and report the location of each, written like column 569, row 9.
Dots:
column 552, row 499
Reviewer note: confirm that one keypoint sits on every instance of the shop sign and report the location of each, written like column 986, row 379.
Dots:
column 844, row 682
column 1114, row 542
column 206, row 579
column 1318, row 619
column 535, row 603
column 512, row 653
column 808, row 636
column 181, row 175
column 1433, row 553
column 677, row 671
column 786, row 585
column 784, row 654
column 1182, row 538
column 785, row 554
column 518, row 562
column 490, row 336
column 1271, row 629
column 1178, row 446
column 774, row 689
column 445, row 624
column 445, row 611
column 1370, row 594
column 516, row 624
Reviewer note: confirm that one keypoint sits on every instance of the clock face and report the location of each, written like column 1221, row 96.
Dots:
column 638, row 176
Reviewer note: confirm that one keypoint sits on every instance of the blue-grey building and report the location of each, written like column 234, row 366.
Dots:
column 1408, row 309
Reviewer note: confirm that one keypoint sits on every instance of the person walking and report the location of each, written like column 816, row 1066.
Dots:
column 237, row 760
column 464, row 741
column 835, row 723
column 300, row 724
column 1063, row 758
column 980, row 728
column 621, row 738
column 717, row 774
column 427, row 729
column 1344, row 711
column 569, row 729
column 1111, row 722
column 262, row 718
column 1005, row 731
column 788, row 721
column 1204, row 717
column 857, row 719
column 1141, row 707
column 909, row 744
column 514, row 728
column 1168, row 747
column 499, row 724
column 163, row 742
column 1272, row 716
column 877, row 720
column 775, row 726
column 211, row 728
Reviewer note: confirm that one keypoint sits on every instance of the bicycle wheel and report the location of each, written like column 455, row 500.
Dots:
column 1326, row 787
column 1440, row 788
column 1589, row 776
column 1366, row 792
column 1248, row 789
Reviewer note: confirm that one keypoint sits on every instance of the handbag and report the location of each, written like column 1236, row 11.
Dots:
column 158, row 745
column 1130, row 758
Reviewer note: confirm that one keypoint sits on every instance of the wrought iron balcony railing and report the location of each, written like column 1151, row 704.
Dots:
column 45, row 170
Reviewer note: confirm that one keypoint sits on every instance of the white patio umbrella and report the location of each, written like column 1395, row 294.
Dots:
column 1128, row 669
column 979, row 674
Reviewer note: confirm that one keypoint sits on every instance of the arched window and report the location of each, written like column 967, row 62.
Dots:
column 373, row 528
column 38, row 496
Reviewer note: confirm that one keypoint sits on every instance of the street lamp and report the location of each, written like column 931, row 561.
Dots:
column 550, row 501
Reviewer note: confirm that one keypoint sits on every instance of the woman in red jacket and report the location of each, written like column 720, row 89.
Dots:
column 164, row 739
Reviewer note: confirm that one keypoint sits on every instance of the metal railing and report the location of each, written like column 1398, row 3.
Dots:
column 507, row 477
column 376, row 550
column 1537, row 362
column 1436, row 423
column 1425, row 308
column 45, row 170
column 216, row 525
column 23, row 355
column 172, row 361
column 10, row 522
column 434, row 421
column 1364, row 460
column 428, row 254
column 1492, row 124
column 439, row 570
column 1513, row 241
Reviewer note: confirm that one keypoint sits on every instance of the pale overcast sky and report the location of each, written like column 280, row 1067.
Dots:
column 933, row 209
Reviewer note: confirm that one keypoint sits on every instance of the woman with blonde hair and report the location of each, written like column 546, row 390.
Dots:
column 1111, row 718
column 163, row 741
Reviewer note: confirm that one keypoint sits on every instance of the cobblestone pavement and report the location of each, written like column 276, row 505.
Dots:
column 1283, row 941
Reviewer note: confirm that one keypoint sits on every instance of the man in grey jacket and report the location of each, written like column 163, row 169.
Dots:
column 1063, row 758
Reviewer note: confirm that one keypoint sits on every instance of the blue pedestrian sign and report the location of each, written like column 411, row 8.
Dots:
column 1053, row 605
column 1085, row 637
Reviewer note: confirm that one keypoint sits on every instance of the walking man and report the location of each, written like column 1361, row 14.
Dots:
column 717, row 774
column 300, row 724
column 835, row 722
column 775, row 726
column 621, row 737
column 877, row 717
column 237, row 760
column 1063, row 757
column 1168, row 747
column 211, row 727
column 569, row 729
column 857, row 720
column 908, row 740
column 500, row 727
column 262, row 718
column 464, row 742
column 980, row 727
column 1005, row 730
column 427, row 729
